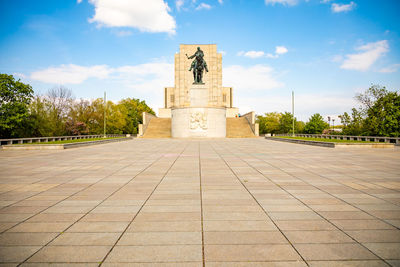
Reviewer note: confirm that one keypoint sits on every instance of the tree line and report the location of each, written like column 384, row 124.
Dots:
column 58, row 113
column 378, row 114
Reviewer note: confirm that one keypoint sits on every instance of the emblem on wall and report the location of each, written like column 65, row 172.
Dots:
column 198, row 121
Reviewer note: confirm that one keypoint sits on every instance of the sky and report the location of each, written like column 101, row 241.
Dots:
column 326, row 51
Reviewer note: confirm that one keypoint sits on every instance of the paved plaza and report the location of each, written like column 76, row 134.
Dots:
column 222, row 202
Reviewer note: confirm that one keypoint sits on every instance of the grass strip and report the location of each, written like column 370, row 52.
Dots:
column 70, row 141
column 323, row 139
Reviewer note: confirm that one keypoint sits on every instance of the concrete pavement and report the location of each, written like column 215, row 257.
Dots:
column 226, row 202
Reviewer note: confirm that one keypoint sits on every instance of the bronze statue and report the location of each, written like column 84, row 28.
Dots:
column 198, row 65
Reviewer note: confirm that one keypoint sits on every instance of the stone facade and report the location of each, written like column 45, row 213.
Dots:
column 179, row 96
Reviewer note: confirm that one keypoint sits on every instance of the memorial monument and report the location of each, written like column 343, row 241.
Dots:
column 198, row 105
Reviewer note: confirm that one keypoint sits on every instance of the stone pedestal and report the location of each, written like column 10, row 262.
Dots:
column 198, row 122
column 198, row 95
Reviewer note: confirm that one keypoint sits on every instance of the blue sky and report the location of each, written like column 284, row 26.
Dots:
column 324, row 50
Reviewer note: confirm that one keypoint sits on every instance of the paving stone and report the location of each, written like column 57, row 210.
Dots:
column 371, row 236
column 85, row 239
column 361, row 224
column 238, row 225
column 26, row 239
column 168, row 253
column 385, row 250
column 71, row 254
column 310, row 237
column 248, row 253
column 334, row 252
column 44, row 227
column 98, row 227
column 249, row 191
column 305, row 225
column 160, row 238
column 16, row 253
column 254, row 237
column 168, row 226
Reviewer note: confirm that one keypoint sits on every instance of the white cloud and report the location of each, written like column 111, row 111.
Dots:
column 325, row 1
column 222, row 52
column 70, row 74
column 179, row 4
column 390, row 69
column 280, row 50
column 362, row 61
column 283, row 2
column 144, row 81
column 75, row 74
column 254, row 78
column 220, row 2
column 147, row 16
column 337, row 8
column 79, row 1
column 203, row 6
column 254, row 54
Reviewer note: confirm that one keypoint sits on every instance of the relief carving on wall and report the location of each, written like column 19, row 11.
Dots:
column 198, row 121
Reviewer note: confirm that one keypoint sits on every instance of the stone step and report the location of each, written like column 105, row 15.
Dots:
column 158, row 128
column 238, row 128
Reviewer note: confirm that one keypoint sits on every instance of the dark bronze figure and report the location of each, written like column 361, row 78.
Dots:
column 198, row 66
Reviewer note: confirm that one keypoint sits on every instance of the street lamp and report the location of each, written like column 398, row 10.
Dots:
column 333, row 122
column 329, row 121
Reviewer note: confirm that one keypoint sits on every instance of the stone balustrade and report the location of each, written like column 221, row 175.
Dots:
column 53, row 138
column 383, row 139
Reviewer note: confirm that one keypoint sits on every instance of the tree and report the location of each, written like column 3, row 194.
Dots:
column 370, row 96
column 133, row 108
column 269, row 123
column 353, row 125
column 299, row 126
column 315, row 125
column 15, row 97
column 286, row 122
column 378, row 114
column 38, row 123
column 383, row 118
column 60, row 101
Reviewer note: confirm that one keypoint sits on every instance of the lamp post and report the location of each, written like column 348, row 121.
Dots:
column 105, row 107
column 333, row 122
column 329, row 121
column 293, row 113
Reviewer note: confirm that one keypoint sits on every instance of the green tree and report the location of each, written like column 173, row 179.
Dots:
column 315, row 125
column 354, row 124
column 383, row 117
column 269, row 123
column 286, row 123
column 95, row 116
column 15, row 97
column 38, row 123
column 133, row 110
column 299, row 126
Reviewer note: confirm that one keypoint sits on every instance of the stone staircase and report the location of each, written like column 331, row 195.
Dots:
column 158, row 128
column 238, row 128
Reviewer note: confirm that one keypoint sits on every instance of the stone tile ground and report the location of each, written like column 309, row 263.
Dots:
column 228, row 202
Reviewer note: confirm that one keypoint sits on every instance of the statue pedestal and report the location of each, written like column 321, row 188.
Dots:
column 198, row 95
column 198, row 120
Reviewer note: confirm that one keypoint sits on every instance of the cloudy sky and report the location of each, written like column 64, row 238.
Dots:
column 324, row 50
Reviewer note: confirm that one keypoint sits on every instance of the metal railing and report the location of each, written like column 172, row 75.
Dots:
column 382, row 139
column 12, row 141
